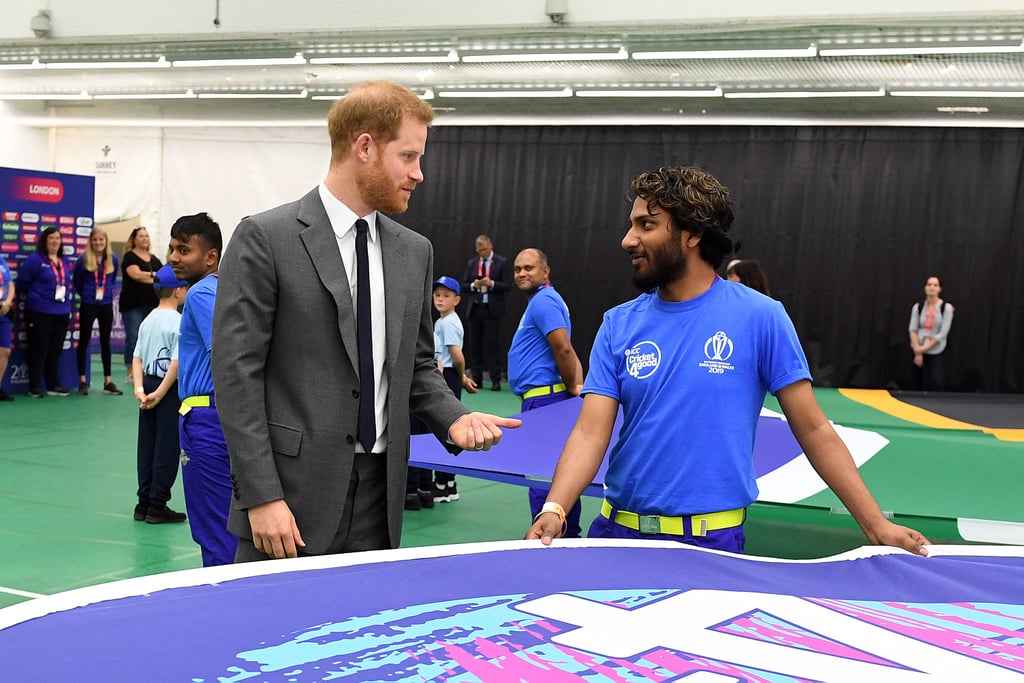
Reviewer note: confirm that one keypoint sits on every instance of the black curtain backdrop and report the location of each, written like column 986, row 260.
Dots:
column 848, row 222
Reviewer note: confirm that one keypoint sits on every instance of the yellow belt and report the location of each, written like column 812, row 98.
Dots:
column 676, row 526
column 543, row 391
column 191, row 402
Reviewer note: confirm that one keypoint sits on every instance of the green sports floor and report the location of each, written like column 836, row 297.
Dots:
column 67, row 490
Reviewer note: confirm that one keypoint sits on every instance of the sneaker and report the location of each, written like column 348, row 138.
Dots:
column 453, row 493
column 426, row 498
column 440, row 493
column 36, row 393
column 83, row 389
column 163, row 515
column 140, row 512
column 412, row 502
column 111, row 388
column 58, row 391
column 4, row 396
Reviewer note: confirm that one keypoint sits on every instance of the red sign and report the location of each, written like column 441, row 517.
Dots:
column 10, row 215
column 48, row 190
column 8, row 247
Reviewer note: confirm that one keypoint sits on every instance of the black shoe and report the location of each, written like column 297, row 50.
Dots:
column 426, row 498
column 440, row 493
column 163, row 515
column 4, row 396
column 412, row 502
column 83, row 389
column 58, row 391
column 111, row 388
column 36, row 393
column 453, row 493
column 495, row 386
column 140, row 512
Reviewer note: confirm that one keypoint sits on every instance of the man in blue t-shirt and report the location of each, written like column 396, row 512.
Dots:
column 690, row 361
column 543, row 367
column 194, row 255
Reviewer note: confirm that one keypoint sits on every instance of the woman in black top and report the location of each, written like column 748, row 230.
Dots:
column 138, row 297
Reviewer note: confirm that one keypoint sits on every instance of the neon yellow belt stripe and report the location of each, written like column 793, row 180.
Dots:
column 193, row 402
column 543, row 391
column 657, row 524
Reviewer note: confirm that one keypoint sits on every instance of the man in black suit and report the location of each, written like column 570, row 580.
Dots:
column 486, row 279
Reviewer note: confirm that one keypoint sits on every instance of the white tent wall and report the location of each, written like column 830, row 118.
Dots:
column 160, row 174
column 23, row 146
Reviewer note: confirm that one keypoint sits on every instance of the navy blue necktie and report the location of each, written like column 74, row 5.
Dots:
column 364, row 325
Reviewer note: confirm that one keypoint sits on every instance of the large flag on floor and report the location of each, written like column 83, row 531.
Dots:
column 516, row 611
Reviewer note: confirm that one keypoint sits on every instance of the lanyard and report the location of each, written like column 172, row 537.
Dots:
column 480, row 268
column 101, row 269
column 58, row 267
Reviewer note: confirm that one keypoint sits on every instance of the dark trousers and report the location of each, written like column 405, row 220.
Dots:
column 364, row 524
column 158, row 447
column 929, row 377
column 483, row 344
column 420, row 477
column 45, row 336
column 87, row 315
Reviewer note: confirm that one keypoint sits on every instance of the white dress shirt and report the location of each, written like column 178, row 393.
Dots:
column 343, row 222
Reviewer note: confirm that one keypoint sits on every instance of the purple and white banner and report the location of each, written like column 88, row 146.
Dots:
column 517, row 611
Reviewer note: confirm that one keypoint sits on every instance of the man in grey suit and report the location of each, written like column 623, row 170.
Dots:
column 308, row 474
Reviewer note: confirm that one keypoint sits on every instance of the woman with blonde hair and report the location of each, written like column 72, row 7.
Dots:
column 138, row 298
column 93, row 279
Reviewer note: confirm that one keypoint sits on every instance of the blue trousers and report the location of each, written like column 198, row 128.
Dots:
column 132, row 319
column 206, row 477
column 159, row 445
column 731, row 540
column 540, row 494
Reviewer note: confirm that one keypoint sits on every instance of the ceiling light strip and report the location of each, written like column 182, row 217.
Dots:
column 958, row 93
column 716, row 92
column 781, row 53
column 513, row 57
column 161, row 63
column 896, row 51
column 299, row 94
column 385, row 58
column 267, row 61
column 801, row 94
column 505, row 94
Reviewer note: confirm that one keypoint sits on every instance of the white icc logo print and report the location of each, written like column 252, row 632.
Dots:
column 718, row 350
column 643, row 359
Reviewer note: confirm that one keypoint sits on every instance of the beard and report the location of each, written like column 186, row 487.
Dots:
column 663, row 266
column 380, row 192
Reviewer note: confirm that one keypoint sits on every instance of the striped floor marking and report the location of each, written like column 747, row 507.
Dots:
column 882, row 400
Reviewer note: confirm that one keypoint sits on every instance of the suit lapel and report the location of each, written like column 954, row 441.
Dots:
column 322, row 247
column 394, row 256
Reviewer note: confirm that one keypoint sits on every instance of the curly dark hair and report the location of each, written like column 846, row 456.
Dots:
column 696, row 201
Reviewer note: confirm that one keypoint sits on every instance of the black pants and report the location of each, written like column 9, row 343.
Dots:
column 483, row 344
column 158, row 449
column 364, row 524
column 420, row 477
column 45, row 337
column 87, row 315
column 931, row 376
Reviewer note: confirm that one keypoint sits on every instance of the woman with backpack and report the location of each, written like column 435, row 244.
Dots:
column 929, row 326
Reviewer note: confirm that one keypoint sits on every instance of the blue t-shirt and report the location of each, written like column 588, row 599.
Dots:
column 447, row 332
column 195, row 377
column 530, row 360
column 158, row 341
column 5, row 279
column 691, row 378
column 87, row 283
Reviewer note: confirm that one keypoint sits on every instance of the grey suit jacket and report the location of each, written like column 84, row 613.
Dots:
column 285, row 365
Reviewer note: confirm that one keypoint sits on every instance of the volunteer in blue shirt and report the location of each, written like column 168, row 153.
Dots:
column 194, row 255
column 94, row 278
column 44, row 279
column 6, row 306
column 690, row 361
column 543, row 367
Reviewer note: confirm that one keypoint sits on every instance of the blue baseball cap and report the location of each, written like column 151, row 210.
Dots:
column 449, row 282
column 166, row 279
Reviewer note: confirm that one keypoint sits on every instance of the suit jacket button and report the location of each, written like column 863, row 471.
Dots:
column 350, row 439
column 355, row 393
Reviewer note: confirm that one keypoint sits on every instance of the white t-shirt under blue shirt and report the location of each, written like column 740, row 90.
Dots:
column 691, row 377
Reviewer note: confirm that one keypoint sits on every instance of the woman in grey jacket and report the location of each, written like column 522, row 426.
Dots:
column 929, row 326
